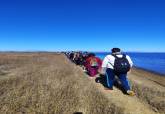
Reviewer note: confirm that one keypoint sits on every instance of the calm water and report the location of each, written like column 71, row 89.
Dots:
column 150, row 61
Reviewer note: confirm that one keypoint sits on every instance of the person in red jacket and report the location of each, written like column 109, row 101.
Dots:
column 92, row 64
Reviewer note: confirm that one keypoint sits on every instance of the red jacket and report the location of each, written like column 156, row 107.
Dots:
column 92, row 65
column 97, row 61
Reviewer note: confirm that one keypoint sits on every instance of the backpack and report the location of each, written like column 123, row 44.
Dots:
column 121, row 65
column 93, row 62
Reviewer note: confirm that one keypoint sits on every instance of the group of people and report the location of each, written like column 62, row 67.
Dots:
column 88, row 61
column 116, row 64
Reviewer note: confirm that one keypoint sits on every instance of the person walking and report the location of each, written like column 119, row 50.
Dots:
column 117, row 64
column 92, row 65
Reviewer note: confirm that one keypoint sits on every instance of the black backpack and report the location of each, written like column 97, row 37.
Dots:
column 121, row 65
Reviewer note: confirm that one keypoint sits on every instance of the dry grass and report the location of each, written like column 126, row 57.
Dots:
column 150, row 89
column 48, row 83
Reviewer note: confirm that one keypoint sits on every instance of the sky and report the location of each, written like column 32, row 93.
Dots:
column 87, row 25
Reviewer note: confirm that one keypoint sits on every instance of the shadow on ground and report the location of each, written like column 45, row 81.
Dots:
column 77, row 113
column 102, row 80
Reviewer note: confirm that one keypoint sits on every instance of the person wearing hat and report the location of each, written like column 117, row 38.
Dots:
column 92, row 64
column 117, row 64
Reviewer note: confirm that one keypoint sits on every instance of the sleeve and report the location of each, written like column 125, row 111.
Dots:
column 105, row 62
column 129, row 60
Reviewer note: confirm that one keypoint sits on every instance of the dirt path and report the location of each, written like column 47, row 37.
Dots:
column 130, row 105
column 150, row 93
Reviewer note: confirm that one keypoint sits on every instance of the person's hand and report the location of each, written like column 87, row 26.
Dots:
column 99, row 70
column 102, row 71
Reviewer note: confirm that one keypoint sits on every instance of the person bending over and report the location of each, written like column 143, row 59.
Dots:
column 117, row 64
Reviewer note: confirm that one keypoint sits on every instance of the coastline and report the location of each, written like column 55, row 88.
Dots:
column 149, row 88
column 149, row 71
column 135, row 56
column 156, row 77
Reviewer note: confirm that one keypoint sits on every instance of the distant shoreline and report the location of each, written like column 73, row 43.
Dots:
column 150, row 71
column 56, row 52
column 161, row 72
column 156, row 77
column 10, row 51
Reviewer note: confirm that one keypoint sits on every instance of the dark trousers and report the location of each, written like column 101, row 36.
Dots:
column 110, row 75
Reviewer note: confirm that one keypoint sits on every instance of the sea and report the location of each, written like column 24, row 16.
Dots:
column 154, row 62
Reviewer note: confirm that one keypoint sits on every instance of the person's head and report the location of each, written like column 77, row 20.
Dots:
column 116, row 50
column 91, row 55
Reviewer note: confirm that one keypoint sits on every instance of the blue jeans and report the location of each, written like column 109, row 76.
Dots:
column 110, row 75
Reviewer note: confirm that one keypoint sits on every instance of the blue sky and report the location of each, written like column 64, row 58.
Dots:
column 92, row 25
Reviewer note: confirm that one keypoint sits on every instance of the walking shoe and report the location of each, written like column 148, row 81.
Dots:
column 131, row 93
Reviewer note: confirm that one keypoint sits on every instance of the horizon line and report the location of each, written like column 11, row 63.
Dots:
column 33, row 51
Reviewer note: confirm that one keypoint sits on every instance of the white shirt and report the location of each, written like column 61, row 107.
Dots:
column 109, row 61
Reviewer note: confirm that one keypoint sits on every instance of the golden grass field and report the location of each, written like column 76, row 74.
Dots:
column 48, row 83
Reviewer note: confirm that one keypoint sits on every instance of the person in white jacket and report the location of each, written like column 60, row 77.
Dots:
column 117, row 64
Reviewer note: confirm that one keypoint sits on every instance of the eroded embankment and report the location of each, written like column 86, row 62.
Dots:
column 150, row 88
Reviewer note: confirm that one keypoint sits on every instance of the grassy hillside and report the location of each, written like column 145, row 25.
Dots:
column 48, row 83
